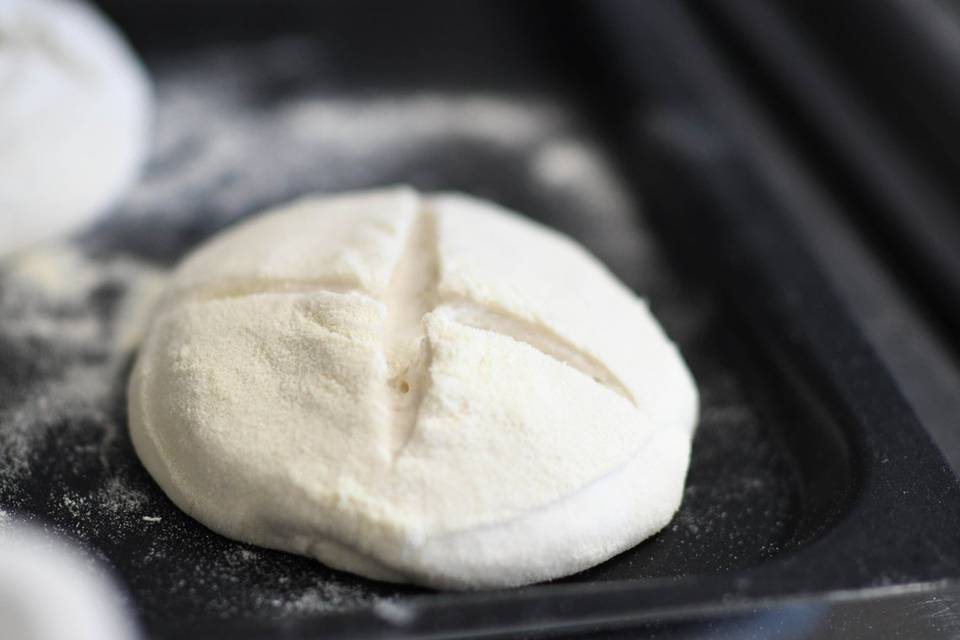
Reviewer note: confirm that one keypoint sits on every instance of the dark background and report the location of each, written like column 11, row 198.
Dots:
column 679, row 148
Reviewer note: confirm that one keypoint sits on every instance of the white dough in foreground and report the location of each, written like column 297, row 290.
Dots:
column 51, row 591
column 422, row 388
column 74, row 115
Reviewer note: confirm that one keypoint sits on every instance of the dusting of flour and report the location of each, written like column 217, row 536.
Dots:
column 71, row 312
column 74, row 310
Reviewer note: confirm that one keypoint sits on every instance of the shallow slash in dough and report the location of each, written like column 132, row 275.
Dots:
column 422, row 388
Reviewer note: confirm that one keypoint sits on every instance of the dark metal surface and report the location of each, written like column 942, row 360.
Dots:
column 839, row 225
column 873, row 87
column 810, row 474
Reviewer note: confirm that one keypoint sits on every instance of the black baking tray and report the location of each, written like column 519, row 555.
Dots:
column 872, row 86
column 813, row 495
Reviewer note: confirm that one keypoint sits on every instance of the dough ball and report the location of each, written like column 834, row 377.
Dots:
column 422, row 388
column 50, row 590
column 74, row 114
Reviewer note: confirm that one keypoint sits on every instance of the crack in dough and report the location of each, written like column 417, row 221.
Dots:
column 546, row 342
column 410, row 296
column 244, row 288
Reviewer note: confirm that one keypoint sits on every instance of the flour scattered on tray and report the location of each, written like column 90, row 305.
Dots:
column 324, row 599
column 72, row 312
column 67, row 324
column 213, row 141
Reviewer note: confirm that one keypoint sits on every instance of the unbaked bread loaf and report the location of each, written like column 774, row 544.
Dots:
column 423, row 388
column 74, row 116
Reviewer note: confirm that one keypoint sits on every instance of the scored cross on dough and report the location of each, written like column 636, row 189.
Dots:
column 416, row 275
column 370, row 378
column 414, row 292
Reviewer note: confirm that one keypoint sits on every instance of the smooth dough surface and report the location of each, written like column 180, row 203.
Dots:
column 423, row 388
column 74, row 115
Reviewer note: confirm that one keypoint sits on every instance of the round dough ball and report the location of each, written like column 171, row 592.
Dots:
column 422, row 388
column 74, row 115
column 50, row 590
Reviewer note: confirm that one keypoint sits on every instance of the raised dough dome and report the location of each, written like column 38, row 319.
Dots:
column 74, row 115
column 422, row 388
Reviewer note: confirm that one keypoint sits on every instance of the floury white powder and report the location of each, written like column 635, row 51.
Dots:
column 72, row 311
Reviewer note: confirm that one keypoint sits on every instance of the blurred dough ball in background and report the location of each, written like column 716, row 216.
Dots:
column 74, row 118
column 50, row 591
